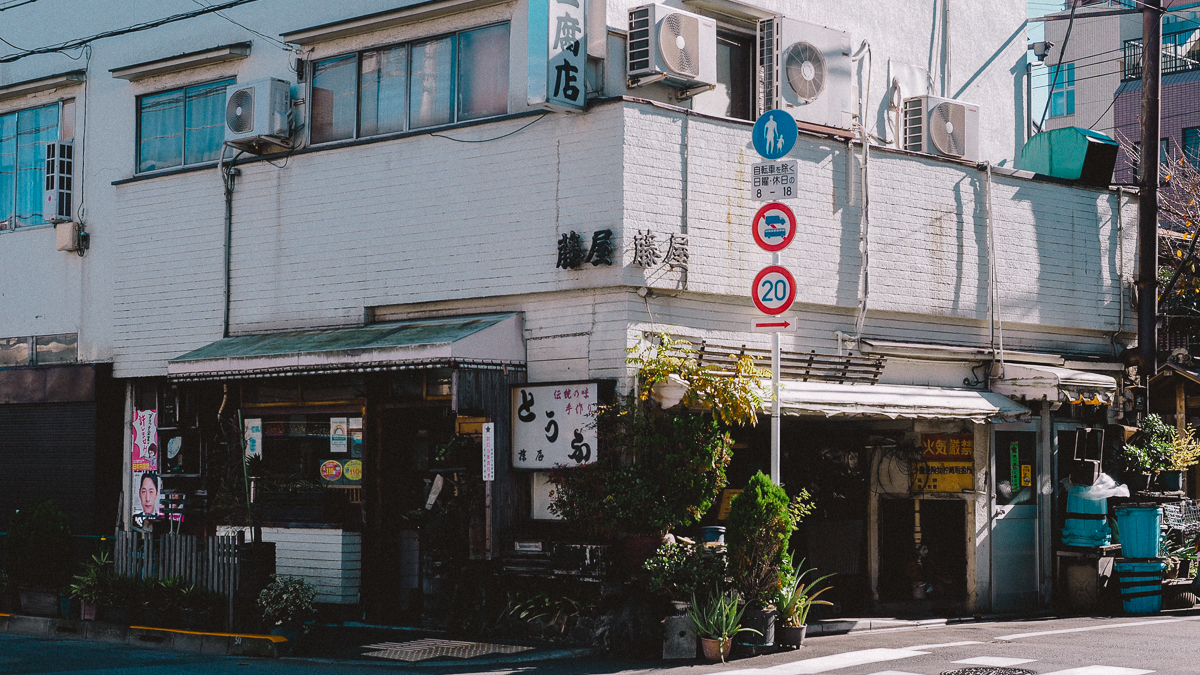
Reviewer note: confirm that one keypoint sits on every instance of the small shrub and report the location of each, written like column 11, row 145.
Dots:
column 680, row 570
column 287, row 601
column 39, row 546
column 760, row 523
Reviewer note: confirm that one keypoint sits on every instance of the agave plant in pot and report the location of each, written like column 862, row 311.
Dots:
column 716, row 619
column 91, row 587
column 794, row 601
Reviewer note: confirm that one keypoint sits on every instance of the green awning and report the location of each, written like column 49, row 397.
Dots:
column 481, row 341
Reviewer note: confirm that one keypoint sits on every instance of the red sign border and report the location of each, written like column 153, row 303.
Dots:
column 791, row 296
column 791, row 230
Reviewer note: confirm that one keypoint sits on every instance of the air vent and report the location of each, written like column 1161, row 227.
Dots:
column 947, row 127
column 805, row 71
column 768, row 66
column 239, row 111
column 679, row 39
column 639, row 39
column 60, row 172
column 914, row 127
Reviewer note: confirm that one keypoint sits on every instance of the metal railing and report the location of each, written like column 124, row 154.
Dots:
column 1180, row 53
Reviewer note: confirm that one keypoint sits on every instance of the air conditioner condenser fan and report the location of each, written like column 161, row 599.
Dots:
column 239, row 112
column 805, row 70
column 947, row 127
column 679, row 40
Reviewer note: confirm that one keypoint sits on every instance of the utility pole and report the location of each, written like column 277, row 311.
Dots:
column 1147, row 282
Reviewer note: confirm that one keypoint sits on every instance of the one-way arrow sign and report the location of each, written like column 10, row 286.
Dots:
column 774, row 324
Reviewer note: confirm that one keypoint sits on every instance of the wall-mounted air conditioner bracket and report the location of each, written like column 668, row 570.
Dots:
column 685, row 94
column 643, row 81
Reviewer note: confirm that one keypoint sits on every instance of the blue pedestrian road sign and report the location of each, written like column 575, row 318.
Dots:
column 774, row 134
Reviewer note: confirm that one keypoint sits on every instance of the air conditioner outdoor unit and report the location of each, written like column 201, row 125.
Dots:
column 941, row 126
column 60, row 171
column 257, row 115
column 805, row 70
column 672, row 45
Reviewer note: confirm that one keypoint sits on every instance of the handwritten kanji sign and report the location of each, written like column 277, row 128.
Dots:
column 554, row 425
column 557, row 54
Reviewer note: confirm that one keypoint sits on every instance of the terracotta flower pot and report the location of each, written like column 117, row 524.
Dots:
column 715, row 650
column 790, row 636
column 87, row 610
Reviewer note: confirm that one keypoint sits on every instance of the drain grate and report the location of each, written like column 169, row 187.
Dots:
column 420, row 650
column 989, row 670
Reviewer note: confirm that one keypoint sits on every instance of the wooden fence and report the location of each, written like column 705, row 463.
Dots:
column 210, row 563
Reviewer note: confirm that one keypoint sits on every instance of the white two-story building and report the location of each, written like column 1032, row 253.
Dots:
column 397, row 236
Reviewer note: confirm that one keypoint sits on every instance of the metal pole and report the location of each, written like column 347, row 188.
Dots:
column 1147, row 283
column 776, row 412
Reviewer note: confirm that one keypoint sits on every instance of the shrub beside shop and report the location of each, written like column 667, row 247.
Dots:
column 39, row 556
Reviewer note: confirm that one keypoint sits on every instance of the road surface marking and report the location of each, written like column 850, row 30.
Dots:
column 1018, row 636
column 893, row 672
column 946, row 644
column 824, row 664
column 998, row 661
column 1101, row 670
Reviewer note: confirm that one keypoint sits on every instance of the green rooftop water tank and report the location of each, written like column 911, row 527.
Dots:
column 1072, row 153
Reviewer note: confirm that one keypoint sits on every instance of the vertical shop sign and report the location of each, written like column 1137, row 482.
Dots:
column 337, row 434
column 554, row 425
column 557, row 54
column 253, row 436
column 1014, row 465
column 489, row 451
column 145, row 440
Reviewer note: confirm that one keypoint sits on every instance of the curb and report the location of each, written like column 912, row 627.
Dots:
column 220, row 644
column 848, row 626
column 447, row 661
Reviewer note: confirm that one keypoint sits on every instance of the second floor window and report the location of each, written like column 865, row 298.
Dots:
column 1062, row 96
column 1191, row 145
column 182, row 126
column 420, row 84
column 23, row 138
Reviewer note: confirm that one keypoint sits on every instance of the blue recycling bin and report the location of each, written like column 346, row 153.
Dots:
column 1141, row 530
column 1087, row 519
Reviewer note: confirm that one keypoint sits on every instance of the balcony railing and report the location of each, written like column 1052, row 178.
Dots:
column 1180, row 53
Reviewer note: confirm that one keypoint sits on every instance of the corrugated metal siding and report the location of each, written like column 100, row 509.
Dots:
column 48, row 450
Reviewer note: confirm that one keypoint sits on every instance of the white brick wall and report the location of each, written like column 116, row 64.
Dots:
column 329, row 559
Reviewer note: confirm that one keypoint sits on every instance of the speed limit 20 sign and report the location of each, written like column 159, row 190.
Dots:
column 773, row 180
column 774, row 290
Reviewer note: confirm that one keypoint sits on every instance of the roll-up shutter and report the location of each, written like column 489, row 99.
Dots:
column 49, row 450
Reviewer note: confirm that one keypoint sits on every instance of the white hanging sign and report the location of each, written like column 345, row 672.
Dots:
column 554, row 425
column 558, row 54
column 489, row 451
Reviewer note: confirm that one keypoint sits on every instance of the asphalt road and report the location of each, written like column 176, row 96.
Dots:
column 1167, row 644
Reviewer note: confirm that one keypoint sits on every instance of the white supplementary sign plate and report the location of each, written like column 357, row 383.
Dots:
column 770, row 181
column 774, row 324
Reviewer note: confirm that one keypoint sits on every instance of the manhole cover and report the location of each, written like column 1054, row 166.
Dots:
column 989, row 670
column 420, row 650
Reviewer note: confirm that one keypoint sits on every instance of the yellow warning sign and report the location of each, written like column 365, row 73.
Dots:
column 943, row 476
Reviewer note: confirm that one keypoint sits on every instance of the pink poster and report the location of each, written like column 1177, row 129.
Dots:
column 145, row 440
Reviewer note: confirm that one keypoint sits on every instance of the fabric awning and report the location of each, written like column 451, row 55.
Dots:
column 481, row 341
column 894, row 401
column 1049, row 383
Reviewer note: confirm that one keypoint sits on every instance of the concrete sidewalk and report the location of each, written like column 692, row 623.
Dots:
column 224, row 644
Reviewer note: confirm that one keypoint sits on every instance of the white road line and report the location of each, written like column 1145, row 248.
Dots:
column 998, row 661
column 964, row 643
column 1101, row 670
column 824, row 664
column 894, row 672
column 1018, row 636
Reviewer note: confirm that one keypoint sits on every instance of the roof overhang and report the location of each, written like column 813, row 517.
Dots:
column 411, row 12
column 895, row 401
column 1049, row 383
column 181, row 62
column 27, row 87
column 481, row 341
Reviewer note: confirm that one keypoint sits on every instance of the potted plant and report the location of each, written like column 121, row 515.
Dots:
column 716, row 619
column 760, row 523
column 1149, row 453
column 679, row 569
column 39, row 556
column 196, row 607
column 1183, row 453
column 161, row 601
column 122, row 603
column 286, row 605
column 91, row 587
column 795, row 599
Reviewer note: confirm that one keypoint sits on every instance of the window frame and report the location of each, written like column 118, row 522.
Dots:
column 310, row 73
column 137, row 140
column 1191, row 152
column 1064, row 88
column 64, row 105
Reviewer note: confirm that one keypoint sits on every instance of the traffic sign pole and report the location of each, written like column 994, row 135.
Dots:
column 776, row 412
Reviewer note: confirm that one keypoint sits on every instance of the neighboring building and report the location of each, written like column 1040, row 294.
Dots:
column 350, row 308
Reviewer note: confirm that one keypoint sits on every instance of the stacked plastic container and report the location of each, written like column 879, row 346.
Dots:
column 1140, row 572
column 1087, row 519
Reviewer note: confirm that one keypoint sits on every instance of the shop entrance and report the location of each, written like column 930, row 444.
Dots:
column 1015, row 576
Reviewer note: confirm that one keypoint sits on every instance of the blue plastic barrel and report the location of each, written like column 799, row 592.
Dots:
column 1140, row 582
column 1140, row 530
column 1087, row 520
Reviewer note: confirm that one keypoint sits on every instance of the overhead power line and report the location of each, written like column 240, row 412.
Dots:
column 75, row 44
column 16, row 3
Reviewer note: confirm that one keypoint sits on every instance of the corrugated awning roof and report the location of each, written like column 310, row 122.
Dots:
column 490, row 340
column 1049, row 383
column 895, row 401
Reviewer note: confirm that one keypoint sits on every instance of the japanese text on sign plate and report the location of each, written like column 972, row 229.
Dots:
column 554, row 425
